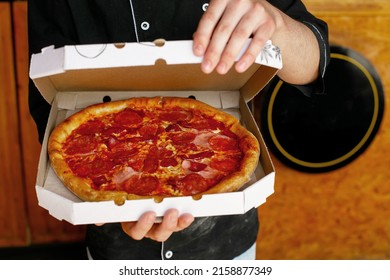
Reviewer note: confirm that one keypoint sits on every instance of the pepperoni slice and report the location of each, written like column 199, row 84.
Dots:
column 98, row 180
column 148, row 131
column 168, row 162
column 114, row 131
column 223, row 143
column 204, row 124
column 128, row 117
column 91, row 127
column 81, row 145
column 183, row 137
column 122, row 156
column 173, row 127
column 147, row 184
column 164, row 153
column 136, row 162
column 197, row 166
column 225, row 165
column 175, row 116
column 166, row 157
column 140, row 185
column 229, row 133
column 94, row 168
column 151, row 161
column 201, row 155
column 118, row 146
column 150, row 164
column 192, row 184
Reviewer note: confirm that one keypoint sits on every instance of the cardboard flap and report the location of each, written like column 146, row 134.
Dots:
column 142, row 67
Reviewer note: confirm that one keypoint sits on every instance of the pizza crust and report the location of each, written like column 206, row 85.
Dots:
column 81, row 187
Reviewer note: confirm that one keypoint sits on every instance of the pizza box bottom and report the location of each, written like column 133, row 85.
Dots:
column 64, row 205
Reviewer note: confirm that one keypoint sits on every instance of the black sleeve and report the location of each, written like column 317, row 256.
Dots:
column 45, row 29
column 296, row 10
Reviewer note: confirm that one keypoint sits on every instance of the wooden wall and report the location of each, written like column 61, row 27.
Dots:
column 343, row 214
column 12, row 215
column 22, row 221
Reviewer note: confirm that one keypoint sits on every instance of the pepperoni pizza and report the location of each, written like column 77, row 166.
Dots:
column 151, row 147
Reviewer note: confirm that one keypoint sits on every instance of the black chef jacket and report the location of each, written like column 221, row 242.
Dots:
column 69, row 22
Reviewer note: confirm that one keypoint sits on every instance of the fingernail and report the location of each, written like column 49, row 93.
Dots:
column 198, row 50
column 151, row 218
column 174, row 215
column 241, row 66
column 207, row 68
column 173, row 219
column 190, row 219
column 222, row 68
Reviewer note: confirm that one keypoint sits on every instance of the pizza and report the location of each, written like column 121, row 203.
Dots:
column 151, row 147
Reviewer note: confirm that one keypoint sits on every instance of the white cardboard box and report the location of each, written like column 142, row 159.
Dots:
column 73, row 77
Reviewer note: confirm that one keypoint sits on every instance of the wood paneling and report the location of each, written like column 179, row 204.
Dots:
column 43, row 227
column 13, row 227
column 326, row 8
column 341, row 214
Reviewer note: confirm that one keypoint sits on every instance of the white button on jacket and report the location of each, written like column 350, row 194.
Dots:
column 168, row 254
column 145, row 25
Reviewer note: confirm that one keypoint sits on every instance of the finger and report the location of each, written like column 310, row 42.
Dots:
column 255, row 21
column 184, row 221
column 258, row 41
column 237, row 40
column 206, row 26
column 219, row 41
column 168, row 225
column 138, row 230
column 249, row 57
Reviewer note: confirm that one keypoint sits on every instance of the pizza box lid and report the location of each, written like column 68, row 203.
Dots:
column 134, row 69
column 163, row 66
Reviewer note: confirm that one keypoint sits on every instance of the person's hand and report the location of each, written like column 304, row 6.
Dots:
column 147, row 226
column 224, row 29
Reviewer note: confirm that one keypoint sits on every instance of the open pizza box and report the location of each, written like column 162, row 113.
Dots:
column 73, row 77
